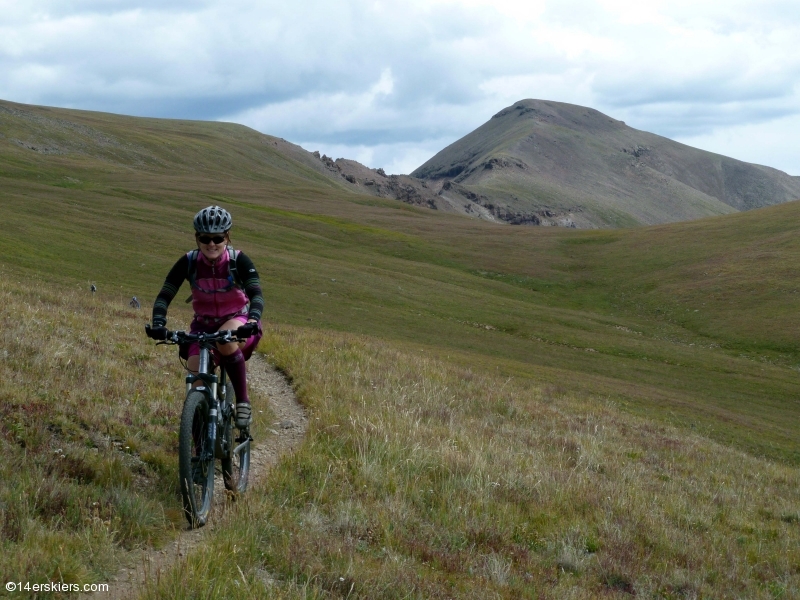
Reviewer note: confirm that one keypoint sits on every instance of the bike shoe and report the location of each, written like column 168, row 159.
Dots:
column 243, row 416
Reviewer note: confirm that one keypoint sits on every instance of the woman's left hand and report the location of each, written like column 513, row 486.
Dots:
column 248, row 329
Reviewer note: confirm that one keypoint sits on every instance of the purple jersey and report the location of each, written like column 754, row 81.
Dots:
column 214, row 293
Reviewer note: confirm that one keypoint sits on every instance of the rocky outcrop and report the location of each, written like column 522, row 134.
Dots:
column 507, row 214
column 377, row 183
column 447, row 196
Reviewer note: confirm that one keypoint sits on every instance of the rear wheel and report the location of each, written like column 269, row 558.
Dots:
column 195, row 460
column 236, row 462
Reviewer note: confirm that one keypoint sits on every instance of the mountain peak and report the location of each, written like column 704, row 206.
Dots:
column 561, row 163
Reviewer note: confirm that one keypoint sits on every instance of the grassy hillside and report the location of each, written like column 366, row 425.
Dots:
column 99, row 146
column 610, row 312
column 600, row 312
column 419, row 478
column 677, row 342
column 425, row 479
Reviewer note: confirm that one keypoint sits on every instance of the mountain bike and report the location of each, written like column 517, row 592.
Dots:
column 207, row 429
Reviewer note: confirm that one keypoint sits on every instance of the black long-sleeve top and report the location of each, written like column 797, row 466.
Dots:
column 248, row 277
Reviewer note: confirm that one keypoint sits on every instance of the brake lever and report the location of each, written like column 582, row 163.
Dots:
column 170, row 341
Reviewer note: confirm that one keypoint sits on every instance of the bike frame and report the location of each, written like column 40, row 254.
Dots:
column 212, row 382
column 217, row 418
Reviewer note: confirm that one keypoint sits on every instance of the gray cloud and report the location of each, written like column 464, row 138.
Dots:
column 684, row 119
column 380, row 78
column 709, row 88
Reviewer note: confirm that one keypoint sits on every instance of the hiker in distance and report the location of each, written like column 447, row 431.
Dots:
column 226, row 294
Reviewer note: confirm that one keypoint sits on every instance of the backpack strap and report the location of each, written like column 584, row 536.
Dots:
column 191, row 269
column 233, row 276
column 234, row 271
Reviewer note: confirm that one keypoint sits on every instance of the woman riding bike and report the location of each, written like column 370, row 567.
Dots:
column 226, row 294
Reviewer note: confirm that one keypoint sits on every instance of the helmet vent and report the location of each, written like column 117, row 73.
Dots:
column 212, row 219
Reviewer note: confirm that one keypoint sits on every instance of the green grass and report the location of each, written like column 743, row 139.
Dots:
column 424, row 479
column 88, row 434
column 593, row 311
column 691, row 326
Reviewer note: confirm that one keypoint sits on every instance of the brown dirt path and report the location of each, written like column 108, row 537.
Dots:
column 266, row 385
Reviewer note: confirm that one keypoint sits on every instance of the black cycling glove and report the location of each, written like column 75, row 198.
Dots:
column 247, row 330
column 156, row 333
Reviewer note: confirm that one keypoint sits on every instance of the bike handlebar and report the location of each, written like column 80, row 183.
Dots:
column 224, row 336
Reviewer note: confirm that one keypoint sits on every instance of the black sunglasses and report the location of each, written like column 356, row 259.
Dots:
column 207, row 239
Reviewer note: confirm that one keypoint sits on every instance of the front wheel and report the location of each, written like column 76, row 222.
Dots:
column 195, row 460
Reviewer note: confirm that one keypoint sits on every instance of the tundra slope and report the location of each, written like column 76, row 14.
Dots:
column 551, row 163
column 536, row 163
column 74, row 148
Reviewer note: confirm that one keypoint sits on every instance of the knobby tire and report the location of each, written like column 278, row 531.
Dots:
column 197, row 492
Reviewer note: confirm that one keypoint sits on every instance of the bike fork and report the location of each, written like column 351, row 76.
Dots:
column 212, row 426
column 210, row 389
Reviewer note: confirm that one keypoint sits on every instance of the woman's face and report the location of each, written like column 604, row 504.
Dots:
column 212, row 245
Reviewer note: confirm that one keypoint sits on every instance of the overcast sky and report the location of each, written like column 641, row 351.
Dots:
column 392, row 83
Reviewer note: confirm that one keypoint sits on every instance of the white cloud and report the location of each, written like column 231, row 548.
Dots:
column 769, row 143
column 388, row 80
column 398, row 158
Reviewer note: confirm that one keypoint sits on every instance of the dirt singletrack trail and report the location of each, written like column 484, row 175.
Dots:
column 284, row 433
